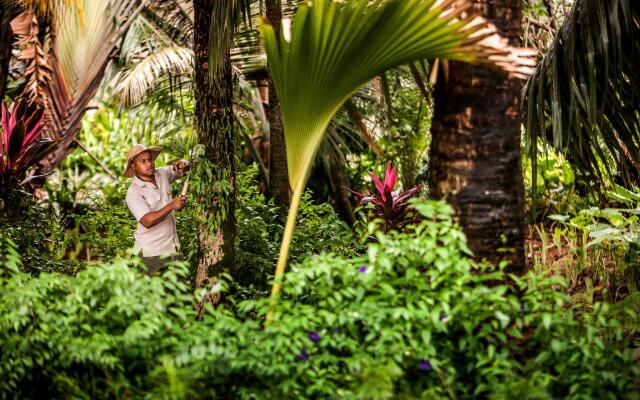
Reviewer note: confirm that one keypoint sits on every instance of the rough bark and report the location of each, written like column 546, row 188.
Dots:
column 214, row 118
column 475, row 150
column 6, row 43
column 278, row 172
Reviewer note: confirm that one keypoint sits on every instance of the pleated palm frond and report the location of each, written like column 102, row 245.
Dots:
column 335, row 47
column 65, row 72
column 584, row 96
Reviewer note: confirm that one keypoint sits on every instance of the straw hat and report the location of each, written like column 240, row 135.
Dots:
column 134, row 151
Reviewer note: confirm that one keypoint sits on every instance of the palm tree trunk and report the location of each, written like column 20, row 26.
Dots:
column 214, row 118
column 278, row 172
column 475, row 150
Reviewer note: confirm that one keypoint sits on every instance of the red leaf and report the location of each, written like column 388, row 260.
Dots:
column 379, row 184
column 6, row 116
column 390, row 177
column 33, row 126
column 357, row 194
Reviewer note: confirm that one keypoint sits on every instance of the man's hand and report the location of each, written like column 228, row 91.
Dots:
column 154, row 217
column 179, row 202
column 181, row 165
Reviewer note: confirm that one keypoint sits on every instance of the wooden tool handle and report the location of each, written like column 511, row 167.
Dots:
column 185, row 189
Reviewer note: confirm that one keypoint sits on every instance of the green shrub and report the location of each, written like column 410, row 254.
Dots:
column 98, row 333
column 39, row 235
column 411, row 318
column 260, row 228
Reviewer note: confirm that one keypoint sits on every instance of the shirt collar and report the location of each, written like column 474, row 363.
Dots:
column 139, row 182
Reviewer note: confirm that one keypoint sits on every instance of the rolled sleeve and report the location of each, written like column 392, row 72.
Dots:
column 137, row 204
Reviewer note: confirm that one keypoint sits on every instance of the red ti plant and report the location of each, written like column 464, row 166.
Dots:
column 20, row 147
column 389, row 205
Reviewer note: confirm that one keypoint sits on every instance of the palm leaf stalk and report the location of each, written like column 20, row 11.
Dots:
column 333, row 48
column 583, row 97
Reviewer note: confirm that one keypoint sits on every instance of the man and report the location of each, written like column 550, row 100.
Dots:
column 149, row 200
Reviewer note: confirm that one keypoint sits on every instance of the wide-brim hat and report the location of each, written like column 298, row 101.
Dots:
column 134, row 151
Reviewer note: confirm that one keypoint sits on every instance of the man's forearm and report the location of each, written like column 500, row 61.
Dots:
column 154, row 217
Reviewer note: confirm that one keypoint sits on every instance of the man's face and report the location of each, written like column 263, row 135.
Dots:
column 143, row 164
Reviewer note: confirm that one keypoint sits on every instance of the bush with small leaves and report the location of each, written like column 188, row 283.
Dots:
column 411, row 318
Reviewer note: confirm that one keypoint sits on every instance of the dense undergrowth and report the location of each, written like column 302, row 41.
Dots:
column 411, row 317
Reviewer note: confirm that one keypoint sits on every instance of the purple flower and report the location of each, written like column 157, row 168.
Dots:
column 303, row 355
column 362, row 269
column 425, row 365
column 477, row 329
column 314, row 336
column 443, row 316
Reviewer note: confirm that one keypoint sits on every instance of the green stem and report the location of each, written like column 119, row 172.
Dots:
column 284, row 247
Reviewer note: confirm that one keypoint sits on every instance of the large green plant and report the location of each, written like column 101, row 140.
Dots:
column 410, row 319
column 335, row 47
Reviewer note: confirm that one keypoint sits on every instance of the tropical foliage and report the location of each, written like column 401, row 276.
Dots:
column 383, row 297
column 353, row 335
column 20, row 146
column 64, row 71
column 390, row 206
column 582, row 98
column 316, row 56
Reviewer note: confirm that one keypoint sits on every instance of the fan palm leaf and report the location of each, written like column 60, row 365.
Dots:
column 64, row 78
column 585, row 92
column 333, row 48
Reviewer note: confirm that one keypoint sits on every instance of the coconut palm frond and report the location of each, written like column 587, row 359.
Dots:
column 584, row 96
column 174, row 18
column 314, row 71
column 144, row 75
column 247, row 53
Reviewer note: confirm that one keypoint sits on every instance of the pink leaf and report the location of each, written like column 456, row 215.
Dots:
column 378, row 183
column 33, row 134
column 390, row 177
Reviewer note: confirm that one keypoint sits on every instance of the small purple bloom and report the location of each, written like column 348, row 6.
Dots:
column 303, row 355
column 314, row 336
column 362, row 269
column 477, row 329
column 443, row 316
column 425, row 365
